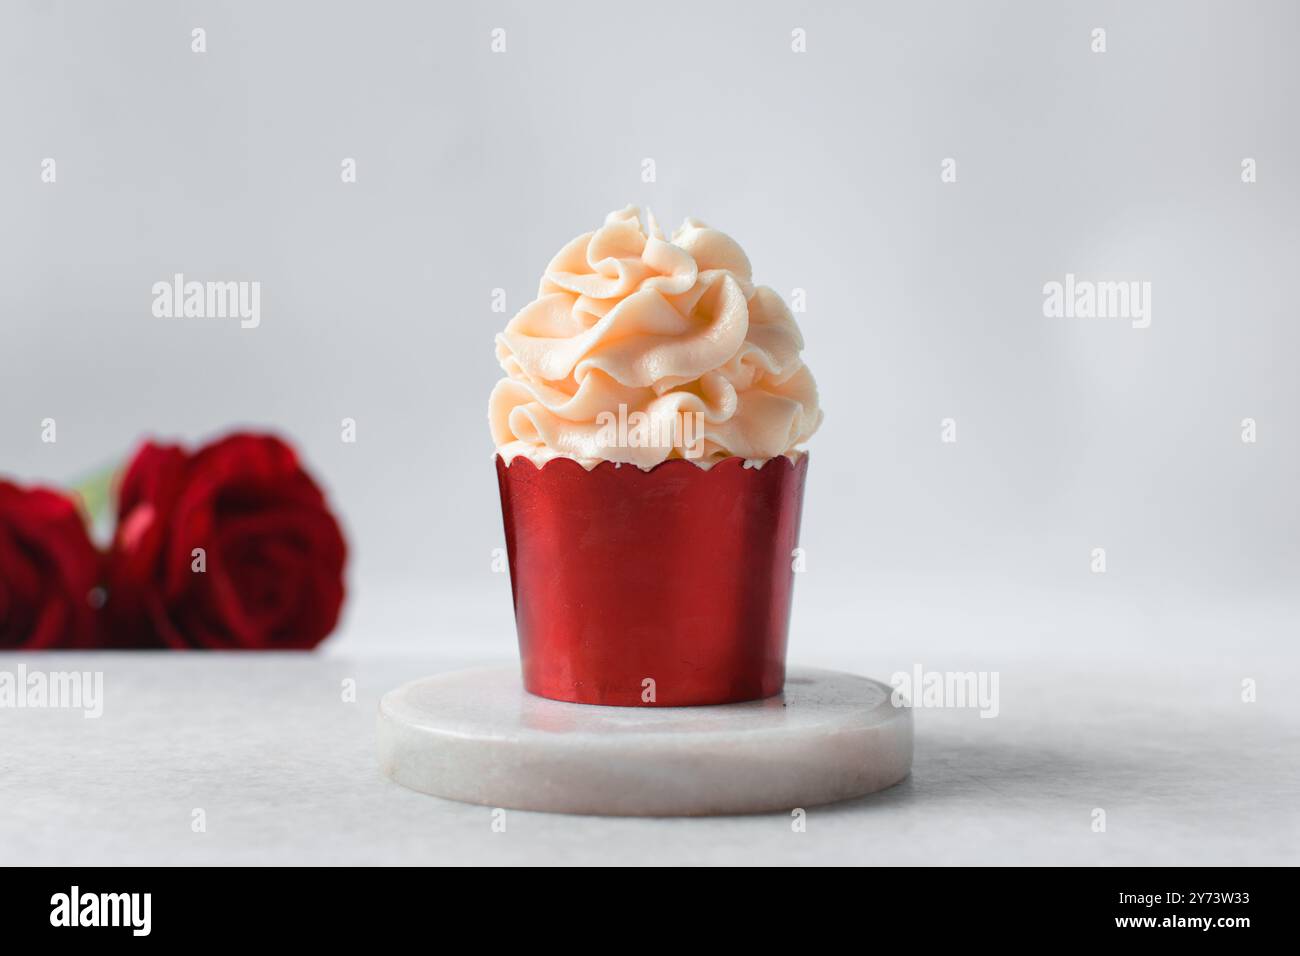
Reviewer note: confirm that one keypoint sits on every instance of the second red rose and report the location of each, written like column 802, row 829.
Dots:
column 229, row 547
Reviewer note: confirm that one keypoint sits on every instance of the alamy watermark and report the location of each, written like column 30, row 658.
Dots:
column 641, row 430
column 179, row 299
column 1086, row 299
column 55, row 690
column 75, row 908
column 946, row 689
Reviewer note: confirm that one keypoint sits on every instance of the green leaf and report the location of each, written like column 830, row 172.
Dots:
column 96, row 492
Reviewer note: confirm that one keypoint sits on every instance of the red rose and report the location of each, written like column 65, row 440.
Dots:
column 48, row 571
column 270, row 572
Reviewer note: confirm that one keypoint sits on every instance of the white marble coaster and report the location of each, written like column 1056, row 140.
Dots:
column 478, row 737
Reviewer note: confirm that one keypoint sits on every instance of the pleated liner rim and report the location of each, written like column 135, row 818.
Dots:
column 672, row 464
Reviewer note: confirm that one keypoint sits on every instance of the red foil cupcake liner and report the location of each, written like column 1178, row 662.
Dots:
column 668, row 587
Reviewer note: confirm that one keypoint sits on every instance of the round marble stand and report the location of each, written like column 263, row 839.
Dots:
column 478, row 737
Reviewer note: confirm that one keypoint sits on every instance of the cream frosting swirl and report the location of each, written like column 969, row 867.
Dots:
column 638, row 349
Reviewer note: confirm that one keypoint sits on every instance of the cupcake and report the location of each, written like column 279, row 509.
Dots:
column 648, row 434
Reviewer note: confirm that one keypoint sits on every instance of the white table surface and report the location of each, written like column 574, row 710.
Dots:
column 1091, row 717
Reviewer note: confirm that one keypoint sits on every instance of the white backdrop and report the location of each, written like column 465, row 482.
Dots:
column 924, row 298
